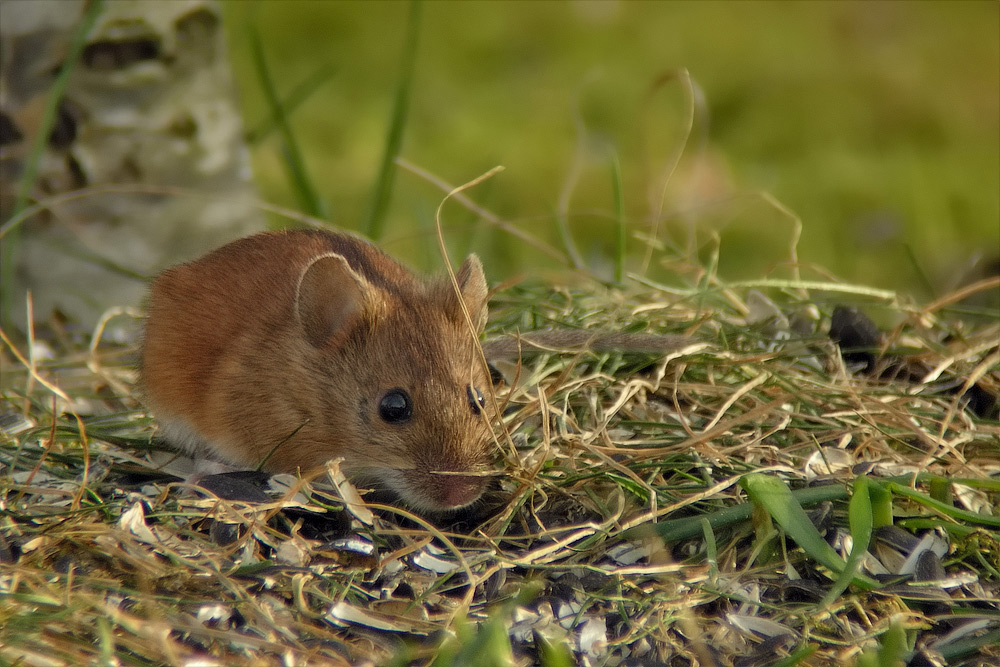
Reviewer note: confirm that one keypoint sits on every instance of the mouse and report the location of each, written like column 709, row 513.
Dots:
column 283, row 350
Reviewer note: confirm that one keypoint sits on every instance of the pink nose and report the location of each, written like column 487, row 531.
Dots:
column 454, row 491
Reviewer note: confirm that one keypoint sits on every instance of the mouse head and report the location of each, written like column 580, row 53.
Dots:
column 403, row 389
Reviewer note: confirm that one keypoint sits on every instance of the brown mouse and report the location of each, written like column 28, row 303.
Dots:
column 286, row 349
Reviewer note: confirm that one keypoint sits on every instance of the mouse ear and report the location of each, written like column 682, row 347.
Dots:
column 331, row 299
column 472, row 283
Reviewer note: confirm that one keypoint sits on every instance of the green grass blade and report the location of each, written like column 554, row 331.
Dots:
column 893, row 646
column 881, row 501
column 711, row 548
column 566, row 237
column 675, row 530
column 489, row 646
column 52, row 101
column 968, row 646
column 619, row 204
column 8, row 246
column 553, row 654
column 80, row 252
column 375, row 222
column 292, row 101
column 862, row 520
column 944, row 508
column 774, row 496
column 797, row 657
column 306, row 193
column 940, row 490
column 919, row 268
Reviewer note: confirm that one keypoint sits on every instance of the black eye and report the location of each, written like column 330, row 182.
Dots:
column 476, row 400
column 395, row 407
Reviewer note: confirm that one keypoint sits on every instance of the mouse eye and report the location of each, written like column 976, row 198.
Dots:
column 496, row 377
column 396, row 406
column 476, row 400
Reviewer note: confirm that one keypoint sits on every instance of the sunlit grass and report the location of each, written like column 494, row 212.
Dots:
column 727, row 489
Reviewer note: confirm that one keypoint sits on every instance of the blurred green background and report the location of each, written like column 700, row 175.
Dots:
column 875, row 123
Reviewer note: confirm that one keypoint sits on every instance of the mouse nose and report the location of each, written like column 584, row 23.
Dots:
column 454, row 491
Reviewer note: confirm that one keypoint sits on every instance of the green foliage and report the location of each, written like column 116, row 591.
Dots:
column 487, row 645
column 844, row 112
column 776, row 498
column 308, row 198
column 892, row 649
column 381, row 193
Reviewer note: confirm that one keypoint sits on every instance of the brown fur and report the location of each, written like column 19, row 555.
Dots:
column 276, row 349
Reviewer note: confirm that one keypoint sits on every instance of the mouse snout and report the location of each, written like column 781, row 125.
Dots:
column 454, row 491
column 442, row 491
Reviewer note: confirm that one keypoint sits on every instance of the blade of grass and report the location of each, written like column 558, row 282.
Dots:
column 675, row 530
column 487, row 645
column 553, row 654
column 766, row 538
column 491, row 218
column 796, row 657
column 711, row 548
column 306, row 193
column 31, row 164
column 893, row 646
column 774, row 495
column 940, row 490
column 566, row 238
column 77, row 251
column 919, row 269
column 917, row 524
column 881, row 501
column 292, row 101
column 965, row 647
column 619, row 204
column 52, row 104
column 695, row 108
column 861, row 518
column 943, row 508
column 840, row 288
column 375, row 221
column 561, row 214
